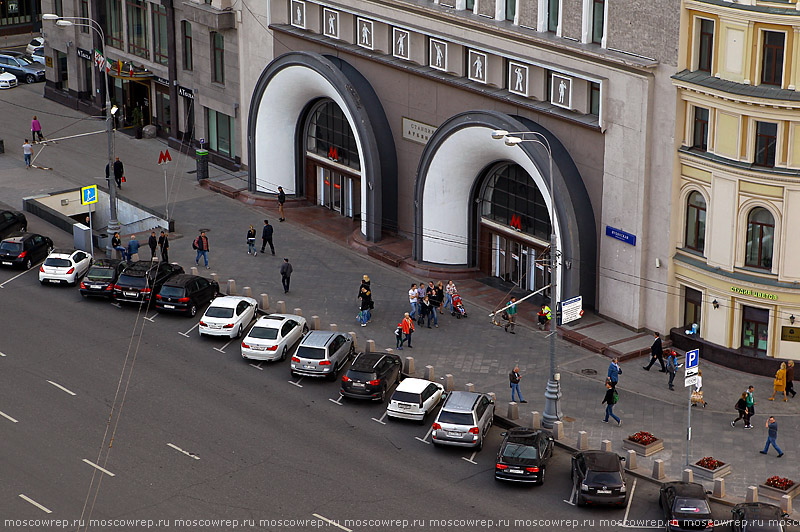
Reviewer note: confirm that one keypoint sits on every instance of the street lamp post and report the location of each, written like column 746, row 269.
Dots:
column 552, row 394
column 113, row 223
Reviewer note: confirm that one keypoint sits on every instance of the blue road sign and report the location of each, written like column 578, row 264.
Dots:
column 692, row 358
column 89, row 195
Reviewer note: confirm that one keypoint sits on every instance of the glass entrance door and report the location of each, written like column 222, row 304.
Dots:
column 518, row 262
column 339, row 192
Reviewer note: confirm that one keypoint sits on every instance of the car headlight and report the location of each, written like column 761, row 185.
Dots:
column 584, row 487
column 623, row 489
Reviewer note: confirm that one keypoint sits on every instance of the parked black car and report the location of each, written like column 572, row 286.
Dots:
column 142, row 279
column 100, row 279
column 371, row 376
column 22, row 66
column 758, row 517
column 186, row 293
column 685, row 506
column 12, row 222
column 599, row 478
column 23, row 250
column 523, row 455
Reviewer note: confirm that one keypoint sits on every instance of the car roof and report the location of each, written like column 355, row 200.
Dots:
column 687, row 489
column 524, row 435
column 461, row 401
column 318, row 338
column 367, row 361
column 412, row 385
column 601, row 460
column 12, row 53
column 182, row 279
column 760, row 511
column 230, row 301
column 272, row 319
column 139, row 268
column 18, row 236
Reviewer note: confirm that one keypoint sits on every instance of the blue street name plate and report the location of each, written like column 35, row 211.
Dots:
column 619, row 234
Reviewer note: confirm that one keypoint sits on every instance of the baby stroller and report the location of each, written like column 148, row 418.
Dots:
column 458, row 307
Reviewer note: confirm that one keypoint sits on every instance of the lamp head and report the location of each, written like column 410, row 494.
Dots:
column 513, row 141
column 62, row 22
column 498, row 134
column 50, row 16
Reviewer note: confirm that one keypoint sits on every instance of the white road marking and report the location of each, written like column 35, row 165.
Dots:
column 222, row 350
column 471, row 458
column 39, row 506
column 630, row 499
column 33, row 268
column 297, row 383
column 190, row 455
column 338, row 401
column 2, row 354
column 423, row 440
column 381, row 420
column 258, row 367
column 186, row 334
column 8, row 417
column 116, row 305
column 106, row 471
column 152, row 318
column 334, row 523
column 571, row 496
column 61, row 388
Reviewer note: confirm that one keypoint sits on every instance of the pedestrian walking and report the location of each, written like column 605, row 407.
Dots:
column 449, row 291
column 251, row 241
column 614, row 371
column 286, row 275
column 119, row 172
column 751, row 407
column 440, row 296
column 513, row 378
column 421, row 290
column 163, row 244
column 429, row 310
column 511, row 312
column 36, row 129
column 610, row 400
column 133, row 247
column 366, row 301
column 779, row 384
column 152, row 242
column 741, row 408
column 407, row 326
column 116, row 243
column 413, row 300
column 27, row 152
column 365, row 283
column 790, row 378
column 672, row 367
column 697, row 393
column 656, row 353
column 398, row 336
column 201, row 245
column 544, row 317
column 266, row 237
column 772, row 436
column 281, row 201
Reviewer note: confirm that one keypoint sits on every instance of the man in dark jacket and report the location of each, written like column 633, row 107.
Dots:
column 286, row 274
column 153, row 243
column 281, row 201
column 201, row 245
column 266, row 237
column 119, row 171
column 656, row 353
column 513, row 378
column 163, row 243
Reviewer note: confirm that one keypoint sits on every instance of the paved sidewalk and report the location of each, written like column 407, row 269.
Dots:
column 325, row 283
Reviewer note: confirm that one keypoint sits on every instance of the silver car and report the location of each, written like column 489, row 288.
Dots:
column 322, row 354
column 464, row 420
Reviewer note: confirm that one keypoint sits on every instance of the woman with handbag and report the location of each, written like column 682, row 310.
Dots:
column 697, row 393
column 741, row 407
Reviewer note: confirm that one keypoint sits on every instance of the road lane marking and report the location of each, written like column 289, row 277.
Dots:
column 381, row 420
column 2, row 354
column 471, row 458
column 2, row 285
column 61, row 388
column 106, row 471
column 338, row 401
column 190, row 455
column 334, row 523
column 297, row 383
column 8, row 417
column 39, row 506
column 186, row 334
column 224, row 346
column 152, row 318
column 423, row 440
column 630, row 499
column 258, row 367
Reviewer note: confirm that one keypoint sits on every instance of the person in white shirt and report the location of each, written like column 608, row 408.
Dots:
column 413, row 300
column 27, row 151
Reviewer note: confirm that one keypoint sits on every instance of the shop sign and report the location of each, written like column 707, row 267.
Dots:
column 84, row 54
column 417, row 131
column 159, row 79
column 186, row 93
column 48, row 61
column 754, row 293
column 790, row 334
column 619, row 234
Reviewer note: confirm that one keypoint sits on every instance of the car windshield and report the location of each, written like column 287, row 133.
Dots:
column 263, row 333
column 407, row 397
column 100, row 273
column 312, row 353
column 519, row 450
column 24, row 60
column 130, row 280
column 171, row 291
column 57, row 263
column 691, row 506
column 219, row 312
column 606, row 478
column 456, row 418
column 14, row 247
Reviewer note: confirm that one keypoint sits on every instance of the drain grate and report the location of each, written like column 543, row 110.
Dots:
column 588, row 371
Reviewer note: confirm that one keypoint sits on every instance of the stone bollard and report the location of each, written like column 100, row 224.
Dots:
column 409, row 366
column 688, row 475
column 752, row 494
column 469, row 387
column 605, row 445
column 231, row 287
column 583, row 440
column 215, row 277
column 333, row 327
column 315, row 322
column 282, row 307
column 355, row 340
column 370, row 346
column 430, row 375
column 298, row 312
column 719, row 488
column 264, row 301
column 247, row 291
column 786, row 504
column 536, row 420
column 194, row 271
column 449, row 383
column 630, row 461
column 558, row 430
column 389, row 350
column 513, row 411
column 658, row 469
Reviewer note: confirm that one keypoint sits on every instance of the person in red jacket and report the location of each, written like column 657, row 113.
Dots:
column 407, row 328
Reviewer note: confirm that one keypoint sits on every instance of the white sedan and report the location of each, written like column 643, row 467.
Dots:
column 228, row 316
column 273, row 336
column 64, row 266
column 7, row 80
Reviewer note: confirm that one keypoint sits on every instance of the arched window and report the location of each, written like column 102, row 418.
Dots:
column 696, row 222
column 760, row 234
column 329, row 135
column 510, row 197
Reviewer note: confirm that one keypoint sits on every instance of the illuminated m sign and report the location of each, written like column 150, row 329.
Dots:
column 516, row 222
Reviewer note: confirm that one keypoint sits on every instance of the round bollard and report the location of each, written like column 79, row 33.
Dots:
column 247, row 291
column 558, row 430
column 194, row 271
column 536, row 420
column 449, row 383
column 430, row 375
column 231, row 287
column 469, row 387
column 370, row 346
column 333, row 327
column 719, row 488
column 315, row 322
column 630, row 461
column 583, row 440
column 605, row 445
column 409, row 366
column 513, row 411
column 298, row 312
column 658, row 469
column 264, row 301
column 282, row 307
column 687, row 475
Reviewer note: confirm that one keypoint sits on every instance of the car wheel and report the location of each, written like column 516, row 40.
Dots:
column 283, row 355
column 193, row 310
column 239, row 332
column 541, row 476
column 28, row 264
column 30, row 78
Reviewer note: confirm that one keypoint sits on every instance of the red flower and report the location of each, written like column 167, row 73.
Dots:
column 710, row 463
column 642, row 437
column 781, row 483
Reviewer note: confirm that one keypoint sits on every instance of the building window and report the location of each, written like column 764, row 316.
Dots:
column 329, row 135
column 217, row 57
column 598, row 20
column 552, row 15
column 772, row 59
column 760, row 234
column 692, row 307
column 137, row 27
column 161, row 32
column 594, row 98
column 511, row 9
column 187, row 44
column 511, row 198
column 700, row 137
column 755, row 327
column 696, row 222
column 766, row 139
column 58, row 8
column 220, row 133
column 85, row 14
column 113, row 29
column 706, row 50
column 470, row 5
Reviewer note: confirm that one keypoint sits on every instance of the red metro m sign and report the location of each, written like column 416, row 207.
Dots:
column 516, row 222
column 333, row 154
column 164, row 157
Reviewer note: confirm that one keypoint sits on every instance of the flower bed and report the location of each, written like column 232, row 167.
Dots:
column 776, row 487
column 710, row 468
column 643, row 443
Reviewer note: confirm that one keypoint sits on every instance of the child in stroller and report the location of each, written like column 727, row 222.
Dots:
column 458, row 307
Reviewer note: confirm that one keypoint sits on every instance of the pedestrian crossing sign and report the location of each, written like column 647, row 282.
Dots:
column 89, row 195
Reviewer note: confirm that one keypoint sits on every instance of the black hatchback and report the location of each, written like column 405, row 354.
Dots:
column 685, row 506
column 599, row 478
column 23, row 250
column 371, row 376
column 143, row 278
column 523, row 455
column 186, row 293
column 11, row 222
column 100, row 279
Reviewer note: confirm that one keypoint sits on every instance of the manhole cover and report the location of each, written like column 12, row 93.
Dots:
column 588, row 371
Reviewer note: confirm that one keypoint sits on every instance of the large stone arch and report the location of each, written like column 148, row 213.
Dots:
column 449, row 170
column 284, row 91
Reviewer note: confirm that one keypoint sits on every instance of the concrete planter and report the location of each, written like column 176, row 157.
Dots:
column 643, row 450
column 775, row 493
column 711, row 474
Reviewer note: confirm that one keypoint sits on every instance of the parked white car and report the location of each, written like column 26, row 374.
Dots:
column 36, row 42
column 414, row 398
column 64, row 266
column 228, row 316
column 7, row 80
column 273, row 337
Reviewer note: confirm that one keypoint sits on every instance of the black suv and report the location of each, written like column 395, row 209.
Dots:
column 100, row 279
column 685, row 506
column 523, row 455
column 186, row 293
column 23, row 250
column 141, row 279
column 371, row 375
column 11, row 221
column 599, row 478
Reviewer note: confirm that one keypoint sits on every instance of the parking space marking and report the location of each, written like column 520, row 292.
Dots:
column 152, row 318
column 334, row 523
column 190, row 455
column 39, row 506
column 338, row 401
column 61, row 388
column 258, row 367
column 224, row 346
column 423, row 440
column 186, row 334
column 2, row 354
column 630, row 499
column 571, row 496
column 115, row 304
column 11, row 419
column 297, row 383
column 106, row 471
column 381, row 420
column 471, row 458
column 2, row 285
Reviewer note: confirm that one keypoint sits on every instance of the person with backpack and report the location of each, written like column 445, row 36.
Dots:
column 251, row 241
column 201, row 245
column 672, row 367
column 741, row 408
column 611, row 398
